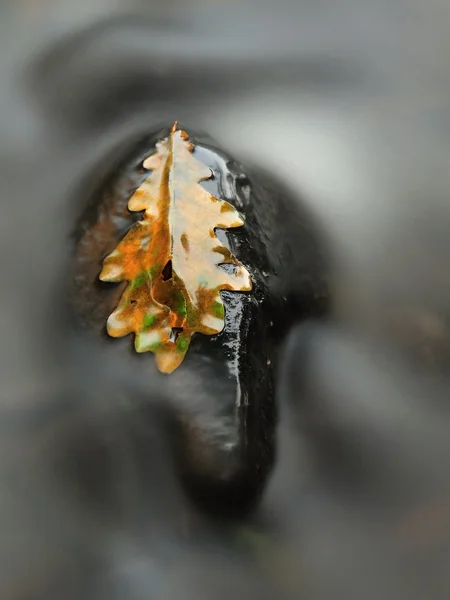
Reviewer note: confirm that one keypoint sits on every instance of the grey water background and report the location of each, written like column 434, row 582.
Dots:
column 348, row 103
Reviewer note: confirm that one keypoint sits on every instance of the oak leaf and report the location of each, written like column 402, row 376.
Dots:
column 171, row 258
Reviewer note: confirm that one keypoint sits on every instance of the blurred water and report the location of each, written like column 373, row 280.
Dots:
column 348, row 104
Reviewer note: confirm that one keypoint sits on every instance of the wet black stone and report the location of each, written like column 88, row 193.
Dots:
column 224, row 391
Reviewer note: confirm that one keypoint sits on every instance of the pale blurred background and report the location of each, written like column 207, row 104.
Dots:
column 348, row 103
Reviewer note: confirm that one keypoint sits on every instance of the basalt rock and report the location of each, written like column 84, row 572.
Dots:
column 223, row 393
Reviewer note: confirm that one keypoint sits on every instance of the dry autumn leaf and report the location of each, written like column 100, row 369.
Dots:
column 171, row 257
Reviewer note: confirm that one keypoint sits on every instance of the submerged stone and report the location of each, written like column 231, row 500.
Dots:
column 223, row 393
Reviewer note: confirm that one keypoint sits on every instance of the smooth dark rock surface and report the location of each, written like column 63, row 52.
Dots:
column 223, row 394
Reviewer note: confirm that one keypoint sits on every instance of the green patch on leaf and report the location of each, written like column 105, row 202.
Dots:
column 181, row 306
column 149, row 320
column 182, row 343
column 140, row 279
column 217, row 309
